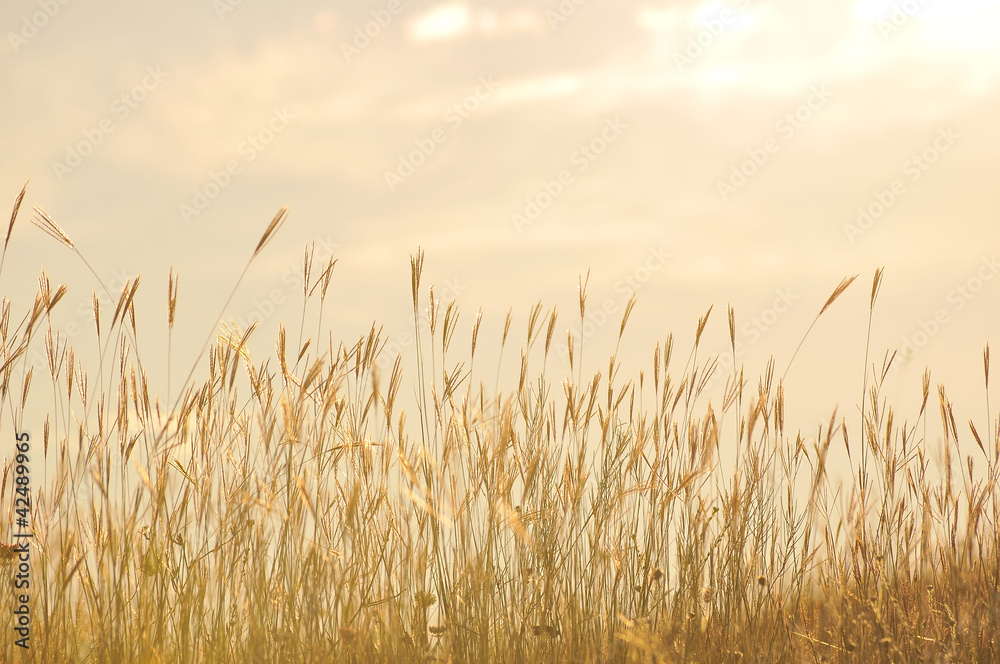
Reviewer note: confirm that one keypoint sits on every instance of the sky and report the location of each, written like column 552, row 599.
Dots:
column 697, row 155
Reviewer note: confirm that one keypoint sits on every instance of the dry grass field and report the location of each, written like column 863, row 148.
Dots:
column 282, row 509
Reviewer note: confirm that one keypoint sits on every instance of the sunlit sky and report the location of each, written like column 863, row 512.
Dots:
column 751, row 152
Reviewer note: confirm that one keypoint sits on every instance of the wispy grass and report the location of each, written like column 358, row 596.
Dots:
column 286, row 512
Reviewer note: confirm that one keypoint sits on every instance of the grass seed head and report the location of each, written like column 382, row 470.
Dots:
column 8, row 553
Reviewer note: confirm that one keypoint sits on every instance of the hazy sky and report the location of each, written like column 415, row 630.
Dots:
column 752, row 152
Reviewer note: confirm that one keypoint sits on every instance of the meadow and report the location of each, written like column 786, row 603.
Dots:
column 305, row 507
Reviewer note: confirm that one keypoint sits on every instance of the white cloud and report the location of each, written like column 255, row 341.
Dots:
column 442, row 22
column 454, row 20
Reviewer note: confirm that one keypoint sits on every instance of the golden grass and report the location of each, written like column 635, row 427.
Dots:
column 285, row 513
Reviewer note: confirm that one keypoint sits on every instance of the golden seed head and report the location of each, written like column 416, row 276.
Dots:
column 150, row 564
column 8, row 552
column 545, row 630
column 43, row 221
column 424, row 599
column 171, row 298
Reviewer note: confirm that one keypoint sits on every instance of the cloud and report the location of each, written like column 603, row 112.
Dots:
column 880, row 10
column 442, row 22
column 455, row 20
